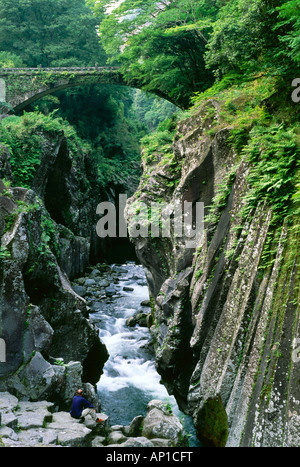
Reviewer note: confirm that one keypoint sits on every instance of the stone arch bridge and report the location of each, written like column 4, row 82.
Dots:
column 20, row 87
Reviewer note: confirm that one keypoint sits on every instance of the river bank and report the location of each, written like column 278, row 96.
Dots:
column 135, row 407
column 34, row 424
column 118, row 301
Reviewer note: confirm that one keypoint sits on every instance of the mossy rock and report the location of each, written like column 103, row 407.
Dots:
column 212, row 423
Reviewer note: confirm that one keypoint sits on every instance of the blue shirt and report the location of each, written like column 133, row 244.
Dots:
column 78, row 404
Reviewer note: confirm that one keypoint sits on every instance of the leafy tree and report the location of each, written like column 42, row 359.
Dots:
column 289, row 16
column 160, row 44
column 175, row 46
column 9, row 60
column 150, row 110
column 261, row 36
column 50, row 32
column 242, row 37
column 102, row 115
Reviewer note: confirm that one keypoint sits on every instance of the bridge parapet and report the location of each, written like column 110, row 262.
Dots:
column 6, row 71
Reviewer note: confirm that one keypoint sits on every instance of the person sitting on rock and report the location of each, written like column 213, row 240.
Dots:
column 81, row 407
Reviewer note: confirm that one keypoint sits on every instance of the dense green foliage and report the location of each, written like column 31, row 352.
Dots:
column 274, row 154
column 160, row 44
column 23, row 136
column 290, row 25
column 10, row 60
column 243, row 53
column 264, row 133
column 181, row 46
column 241, row 37
column 111, row 119
column 50, row 32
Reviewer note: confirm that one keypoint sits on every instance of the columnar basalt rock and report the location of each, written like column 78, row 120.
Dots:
column 224, row 330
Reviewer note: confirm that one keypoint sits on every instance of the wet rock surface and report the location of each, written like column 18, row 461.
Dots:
column 226, row 326
column 39, row 308
column 36, row 424
column 103, row 282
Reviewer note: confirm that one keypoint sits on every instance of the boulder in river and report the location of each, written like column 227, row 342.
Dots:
column 141, row 319
column 80, row 290
column 161, row 423
column 110, row 291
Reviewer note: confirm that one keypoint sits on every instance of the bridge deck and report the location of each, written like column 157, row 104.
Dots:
column 57, row 69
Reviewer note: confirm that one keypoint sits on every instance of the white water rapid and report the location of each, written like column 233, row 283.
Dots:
column 129, row 380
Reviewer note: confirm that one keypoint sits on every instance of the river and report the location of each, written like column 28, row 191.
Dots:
column 129, row 380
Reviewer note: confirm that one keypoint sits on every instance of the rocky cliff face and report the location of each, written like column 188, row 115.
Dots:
column 225, row 330
column 46, row 239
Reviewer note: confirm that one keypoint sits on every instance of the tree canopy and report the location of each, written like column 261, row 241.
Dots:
column 160, row 44
column 183, row 46
column 178, row 48
column 289, row 26
column 173, row 47
column 50, row 32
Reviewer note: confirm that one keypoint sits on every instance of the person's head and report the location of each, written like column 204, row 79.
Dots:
column 79, row 392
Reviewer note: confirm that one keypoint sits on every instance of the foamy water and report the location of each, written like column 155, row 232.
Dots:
column 129, row 380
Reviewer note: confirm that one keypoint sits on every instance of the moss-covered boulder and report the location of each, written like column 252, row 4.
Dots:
column 212, row 423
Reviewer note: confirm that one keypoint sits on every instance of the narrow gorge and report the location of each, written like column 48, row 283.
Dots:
column 226, row 314
column 149, row 223
column 224, row 317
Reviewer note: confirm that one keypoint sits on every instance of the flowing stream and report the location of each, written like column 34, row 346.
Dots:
column 130, row 379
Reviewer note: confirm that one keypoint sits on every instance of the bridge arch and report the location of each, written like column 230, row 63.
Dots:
column 20, row 87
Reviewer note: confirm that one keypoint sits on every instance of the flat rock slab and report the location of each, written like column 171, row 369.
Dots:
column 32, row 415
column 41, row 436
column 138, row 442
column 8, row 401
column 8, row 433
column 70, row 431
column 36, row 426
